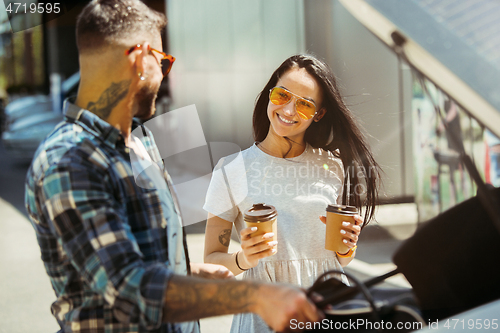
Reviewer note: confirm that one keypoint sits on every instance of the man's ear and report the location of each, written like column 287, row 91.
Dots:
column 319, row 114
column 140, row 61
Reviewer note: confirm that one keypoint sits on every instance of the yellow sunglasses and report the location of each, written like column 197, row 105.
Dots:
column 306, row 109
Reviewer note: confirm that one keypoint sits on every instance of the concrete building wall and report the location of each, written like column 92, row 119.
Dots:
column 379, row 94
column 226, row 51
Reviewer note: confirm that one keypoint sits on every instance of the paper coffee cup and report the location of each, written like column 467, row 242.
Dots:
column 264, row 218
column 335, row 215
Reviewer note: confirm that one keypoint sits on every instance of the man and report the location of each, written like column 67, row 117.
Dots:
column 107, row 243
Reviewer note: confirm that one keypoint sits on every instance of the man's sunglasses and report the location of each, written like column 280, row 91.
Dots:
column 280, row 96
column 165, row 63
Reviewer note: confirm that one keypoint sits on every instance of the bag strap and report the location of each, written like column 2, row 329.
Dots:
column 344, row 292
column 348, row 292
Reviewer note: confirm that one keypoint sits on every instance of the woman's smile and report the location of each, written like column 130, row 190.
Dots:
column 285, row 121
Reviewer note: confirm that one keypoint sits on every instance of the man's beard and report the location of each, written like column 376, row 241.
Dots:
column 145, row 100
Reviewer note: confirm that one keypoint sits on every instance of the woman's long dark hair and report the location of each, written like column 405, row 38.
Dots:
column 337, row 132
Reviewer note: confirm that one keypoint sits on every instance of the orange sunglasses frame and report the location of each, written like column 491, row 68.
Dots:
column 150, row 49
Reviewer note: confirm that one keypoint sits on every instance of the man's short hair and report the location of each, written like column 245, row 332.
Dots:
column 113, row 22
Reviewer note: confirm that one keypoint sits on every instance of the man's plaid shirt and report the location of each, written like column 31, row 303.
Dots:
column 102, row 237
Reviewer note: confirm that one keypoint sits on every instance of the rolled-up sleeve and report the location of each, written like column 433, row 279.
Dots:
column 220, row 199
column 79, row 205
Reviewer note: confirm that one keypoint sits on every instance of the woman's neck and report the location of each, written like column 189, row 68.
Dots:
column 278, row 146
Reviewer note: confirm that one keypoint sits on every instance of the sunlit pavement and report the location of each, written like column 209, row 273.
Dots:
column 26, row 293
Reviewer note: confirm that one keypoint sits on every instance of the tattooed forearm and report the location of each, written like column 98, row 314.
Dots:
column 225, row 237
column 190, row 298
column 109, row 99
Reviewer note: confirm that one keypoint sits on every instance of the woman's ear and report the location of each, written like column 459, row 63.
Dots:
column 319, row 114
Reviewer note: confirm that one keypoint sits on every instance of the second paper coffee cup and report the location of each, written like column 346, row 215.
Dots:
column 335, row 215
column 264, row 218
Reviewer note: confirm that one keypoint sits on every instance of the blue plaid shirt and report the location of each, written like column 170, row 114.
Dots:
column 103, row 238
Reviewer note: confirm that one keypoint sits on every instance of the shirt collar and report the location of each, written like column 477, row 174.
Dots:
column 90, row 122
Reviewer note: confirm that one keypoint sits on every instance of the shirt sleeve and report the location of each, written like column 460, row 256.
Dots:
column 78, row 203
column 220, row 199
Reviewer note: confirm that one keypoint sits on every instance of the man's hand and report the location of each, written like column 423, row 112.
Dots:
column 279, row 304
column 211, row 271
column 190, row 298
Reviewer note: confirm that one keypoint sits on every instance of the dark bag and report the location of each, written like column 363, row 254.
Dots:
column 363, row 307
column 452, row 261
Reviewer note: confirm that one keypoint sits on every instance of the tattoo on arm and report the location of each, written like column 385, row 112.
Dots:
column 189, row 298
column 109, row 99
column 225, row 237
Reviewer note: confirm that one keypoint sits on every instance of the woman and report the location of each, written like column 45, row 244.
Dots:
column 305, row 137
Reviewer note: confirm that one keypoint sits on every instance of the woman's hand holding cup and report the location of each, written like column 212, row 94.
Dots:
column 255, row 248
column 349, row 232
